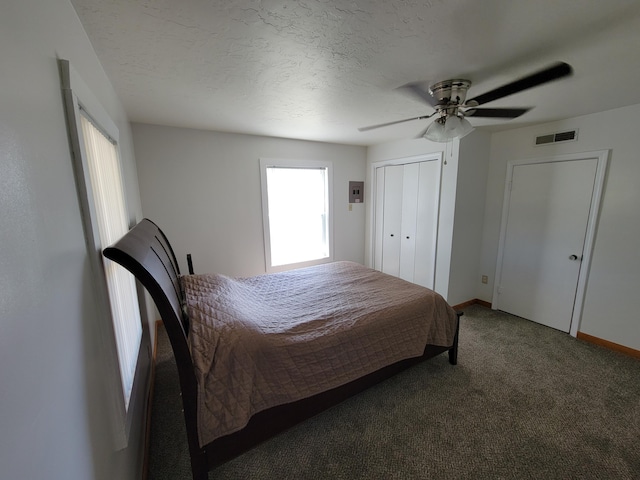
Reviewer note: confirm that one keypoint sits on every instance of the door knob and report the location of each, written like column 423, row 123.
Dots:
column 573, row 257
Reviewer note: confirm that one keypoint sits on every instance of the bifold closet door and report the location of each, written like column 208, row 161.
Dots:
column 407, row 202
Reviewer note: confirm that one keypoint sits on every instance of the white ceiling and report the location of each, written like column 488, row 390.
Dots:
column 319, row 69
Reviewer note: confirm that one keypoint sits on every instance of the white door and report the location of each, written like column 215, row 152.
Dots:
column 427, row 224
column 406, row 220
column 548, row 213
column 392, row 219
column 410, row 177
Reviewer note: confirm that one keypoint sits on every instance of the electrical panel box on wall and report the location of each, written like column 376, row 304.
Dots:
column 356, row 192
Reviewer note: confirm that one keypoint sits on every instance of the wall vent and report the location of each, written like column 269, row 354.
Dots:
column 569, row 136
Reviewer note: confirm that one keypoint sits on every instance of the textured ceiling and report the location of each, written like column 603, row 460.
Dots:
column 319, row 69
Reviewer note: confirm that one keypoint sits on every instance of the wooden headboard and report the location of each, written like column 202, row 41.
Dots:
column 147, row 254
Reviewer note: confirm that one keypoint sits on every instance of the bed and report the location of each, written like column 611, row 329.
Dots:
column 258, row 355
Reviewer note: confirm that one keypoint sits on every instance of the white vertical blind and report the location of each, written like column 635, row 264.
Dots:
column 111, row 217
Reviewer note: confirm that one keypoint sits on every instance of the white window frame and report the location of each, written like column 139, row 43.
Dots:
column 78, row 97
column 293, row 163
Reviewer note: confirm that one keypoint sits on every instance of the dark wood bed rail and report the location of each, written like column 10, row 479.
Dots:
column 146, row 252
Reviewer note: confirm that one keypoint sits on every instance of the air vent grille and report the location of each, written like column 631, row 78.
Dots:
column 568, row 136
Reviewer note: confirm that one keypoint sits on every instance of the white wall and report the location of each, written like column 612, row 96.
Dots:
column 610, row 307
column 461, row 207
column 471, row 188
column 52, row 398
column 203, row 189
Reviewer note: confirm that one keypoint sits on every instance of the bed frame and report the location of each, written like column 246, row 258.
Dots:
column 147, row 254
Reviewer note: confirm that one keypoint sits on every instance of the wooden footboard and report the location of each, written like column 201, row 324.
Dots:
column 147, row 254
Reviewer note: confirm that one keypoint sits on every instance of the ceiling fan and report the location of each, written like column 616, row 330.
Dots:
column 448, row 98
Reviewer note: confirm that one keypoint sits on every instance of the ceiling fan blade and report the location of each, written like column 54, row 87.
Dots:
column 549, row 74
column 417, row 90
column 496, row 112
column 371, row 127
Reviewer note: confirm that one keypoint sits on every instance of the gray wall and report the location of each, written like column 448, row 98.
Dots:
column 52, row 398
column 203, row 189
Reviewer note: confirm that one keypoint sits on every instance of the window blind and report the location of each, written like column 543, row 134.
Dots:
column 111, row 218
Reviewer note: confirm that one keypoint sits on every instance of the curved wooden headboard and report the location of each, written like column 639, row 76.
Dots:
column 147, row 254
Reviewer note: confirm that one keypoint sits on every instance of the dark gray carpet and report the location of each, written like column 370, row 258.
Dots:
column 524, row 401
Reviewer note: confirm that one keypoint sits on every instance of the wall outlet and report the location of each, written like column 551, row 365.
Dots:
column 485, row 279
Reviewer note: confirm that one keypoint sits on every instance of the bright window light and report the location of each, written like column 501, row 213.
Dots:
column 297, row 223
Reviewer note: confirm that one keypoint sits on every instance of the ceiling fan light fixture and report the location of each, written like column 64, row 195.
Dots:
column 435, row 132
column 447, row 128
column 457, row 127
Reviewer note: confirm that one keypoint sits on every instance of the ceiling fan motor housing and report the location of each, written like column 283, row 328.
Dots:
column 449, row 94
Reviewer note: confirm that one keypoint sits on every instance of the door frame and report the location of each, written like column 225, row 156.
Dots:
column 602, row 157
column 425, row 157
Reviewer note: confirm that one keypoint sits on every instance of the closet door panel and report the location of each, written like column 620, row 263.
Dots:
column 427, row 223
column 392, row 221
column 408, row 225
column 378, row 218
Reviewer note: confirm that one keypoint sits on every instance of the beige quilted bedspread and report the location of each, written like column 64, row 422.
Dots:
column 272, row 339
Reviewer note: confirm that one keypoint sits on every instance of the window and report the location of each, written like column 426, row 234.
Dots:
column 296, row 204
column 111, row 218
column 94, row 144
